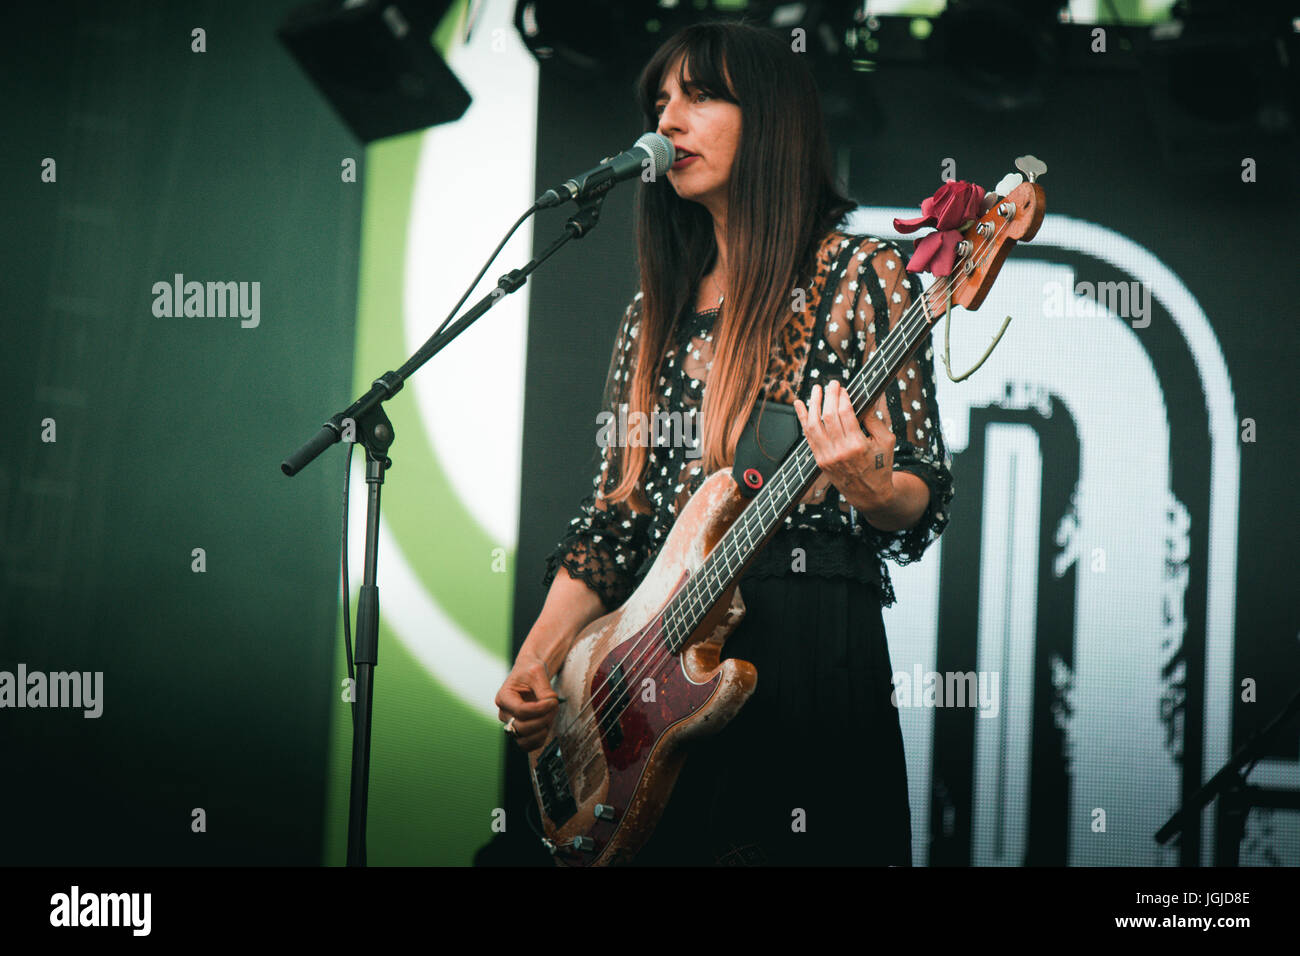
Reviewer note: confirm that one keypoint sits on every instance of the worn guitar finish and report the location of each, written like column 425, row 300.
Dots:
column 643, row 680
column 629, row 762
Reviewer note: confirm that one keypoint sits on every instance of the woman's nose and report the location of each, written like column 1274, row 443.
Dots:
column 668, row 119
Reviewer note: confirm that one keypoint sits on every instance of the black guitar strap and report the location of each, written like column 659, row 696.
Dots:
column 773, row 428
column 769, row 436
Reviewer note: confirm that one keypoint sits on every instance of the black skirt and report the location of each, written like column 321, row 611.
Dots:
column 811, row 772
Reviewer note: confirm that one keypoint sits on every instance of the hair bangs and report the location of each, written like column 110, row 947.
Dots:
column 703, row 58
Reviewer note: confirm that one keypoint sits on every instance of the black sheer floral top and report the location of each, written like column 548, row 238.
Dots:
column 610, row 547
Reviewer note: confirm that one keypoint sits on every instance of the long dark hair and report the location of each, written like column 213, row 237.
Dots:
column 782, row 200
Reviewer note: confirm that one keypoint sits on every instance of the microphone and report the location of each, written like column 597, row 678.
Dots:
column 614, row 169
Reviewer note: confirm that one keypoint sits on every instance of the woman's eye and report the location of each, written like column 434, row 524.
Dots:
column 659, row 109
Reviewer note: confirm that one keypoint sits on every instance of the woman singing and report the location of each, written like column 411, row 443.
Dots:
column 737, row 252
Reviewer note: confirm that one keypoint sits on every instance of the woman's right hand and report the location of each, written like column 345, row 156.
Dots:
column 528, row 697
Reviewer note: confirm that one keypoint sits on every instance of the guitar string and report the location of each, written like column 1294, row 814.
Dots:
column 689, row 602
column 616, row 705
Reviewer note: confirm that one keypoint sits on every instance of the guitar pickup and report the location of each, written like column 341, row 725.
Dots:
column 610, row 708
column 552, row 779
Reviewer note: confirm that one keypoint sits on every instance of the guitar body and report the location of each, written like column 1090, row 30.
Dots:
column 630, row 704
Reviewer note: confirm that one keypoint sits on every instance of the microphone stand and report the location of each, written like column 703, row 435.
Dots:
column 1238, row 796
column 366, row 418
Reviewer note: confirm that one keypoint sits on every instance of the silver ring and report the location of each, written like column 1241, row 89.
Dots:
column 510, row 727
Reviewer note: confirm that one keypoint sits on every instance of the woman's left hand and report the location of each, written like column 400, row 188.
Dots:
column 860, row 464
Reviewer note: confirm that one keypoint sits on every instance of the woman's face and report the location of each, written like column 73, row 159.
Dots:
column 706, row 126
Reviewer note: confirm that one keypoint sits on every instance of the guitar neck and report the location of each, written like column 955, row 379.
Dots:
column 1013, row 218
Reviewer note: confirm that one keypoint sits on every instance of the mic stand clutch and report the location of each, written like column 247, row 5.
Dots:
column 374, row 432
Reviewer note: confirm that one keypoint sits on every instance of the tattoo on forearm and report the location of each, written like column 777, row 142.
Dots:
column 880, row 460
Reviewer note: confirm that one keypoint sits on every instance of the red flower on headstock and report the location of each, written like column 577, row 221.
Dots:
column 948, row 211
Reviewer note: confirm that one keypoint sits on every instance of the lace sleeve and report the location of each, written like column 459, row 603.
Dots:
column 606, row 542
column 884, row 295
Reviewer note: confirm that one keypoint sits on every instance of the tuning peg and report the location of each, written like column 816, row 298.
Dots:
column 1007, row 183
column 1031, row 166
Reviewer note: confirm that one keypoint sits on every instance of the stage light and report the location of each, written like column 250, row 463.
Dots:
column 1219, row 84
column 998, row 50
column 375, row 62
column 583, row 39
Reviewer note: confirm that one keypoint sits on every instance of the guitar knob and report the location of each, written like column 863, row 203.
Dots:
column 604, row 811
column 585, row 844
column 1031, row 166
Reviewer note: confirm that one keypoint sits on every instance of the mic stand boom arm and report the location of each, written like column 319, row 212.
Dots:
column 374, row 432
column 1230, row 783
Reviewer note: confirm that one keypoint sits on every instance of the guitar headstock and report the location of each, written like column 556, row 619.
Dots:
column 1013, row 218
